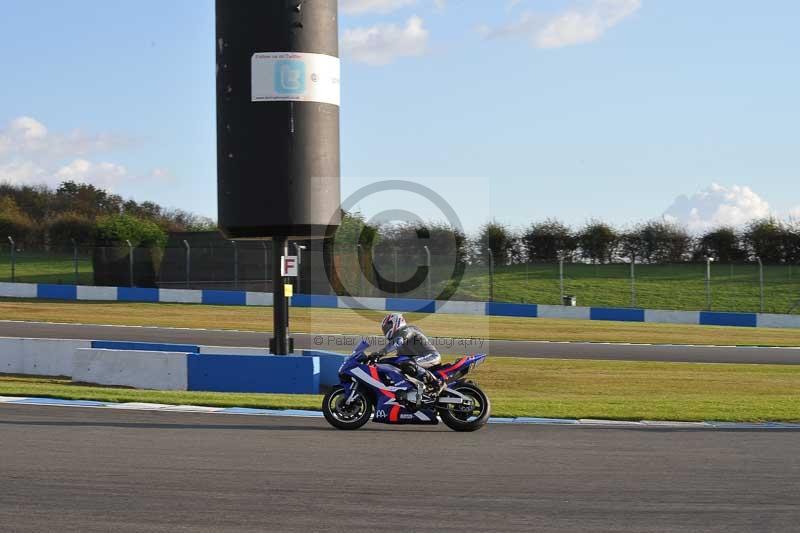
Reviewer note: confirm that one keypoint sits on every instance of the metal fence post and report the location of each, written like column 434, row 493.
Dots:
column 396, row 274
column 298, row 249
column 266, row 266
column 188, row 263
column 130, row 262
column 491, row 274
column 428, row 264
column 13, row 259
column 633, row 281
column 709, row 260
column 75, row 260
column 235, row 265
column 361, row 274
column 561, row 278
column 761, row 282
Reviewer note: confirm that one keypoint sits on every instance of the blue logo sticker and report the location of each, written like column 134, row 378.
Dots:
column 290, row 77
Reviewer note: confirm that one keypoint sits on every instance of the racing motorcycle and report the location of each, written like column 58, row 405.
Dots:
column 369, row 386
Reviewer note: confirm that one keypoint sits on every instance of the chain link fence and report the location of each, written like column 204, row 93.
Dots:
column 245, row 265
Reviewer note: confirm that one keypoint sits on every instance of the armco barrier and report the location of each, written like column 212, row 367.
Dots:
column 68, row 292
column 131, row 368
column 254, row 373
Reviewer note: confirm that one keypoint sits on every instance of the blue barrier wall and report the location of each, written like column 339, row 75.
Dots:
column 519, row 310
column 748, row 320
column 216, row 297
column 224, row 297
column 617, row 315
column 329, row 363
column 254, row 373
column 311, row 300
column 144, row 346
column 56, row 292
column 133, row 294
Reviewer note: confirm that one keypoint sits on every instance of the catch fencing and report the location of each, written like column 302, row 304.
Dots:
column 245, row 266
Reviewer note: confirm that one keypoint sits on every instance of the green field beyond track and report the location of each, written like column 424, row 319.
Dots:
column 543, row 388
column 679, row 286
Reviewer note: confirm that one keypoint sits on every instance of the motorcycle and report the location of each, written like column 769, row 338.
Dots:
column 368, row 386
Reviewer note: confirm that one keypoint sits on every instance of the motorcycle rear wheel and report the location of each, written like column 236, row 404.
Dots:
column 342, row 417
column 473, row 420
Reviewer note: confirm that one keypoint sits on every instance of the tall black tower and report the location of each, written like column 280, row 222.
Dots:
column 278, row 95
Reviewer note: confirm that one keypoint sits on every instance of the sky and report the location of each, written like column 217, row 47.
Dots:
column 512, row 110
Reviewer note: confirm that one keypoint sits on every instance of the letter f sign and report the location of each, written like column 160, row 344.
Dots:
column 289, row 266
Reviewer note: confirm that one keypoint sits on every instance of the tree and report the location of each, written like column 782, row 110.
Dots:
column 721, row 244
column 496, row 237
column 663, row 242
column 596, row 241
column 549, row 241
column 765, row 238
column 15, row 223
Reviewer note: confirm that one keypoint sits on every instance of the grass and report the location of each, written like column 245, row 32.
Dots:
column 305, row 320
column 679, row 286
column 545, row 388
column 43, row 267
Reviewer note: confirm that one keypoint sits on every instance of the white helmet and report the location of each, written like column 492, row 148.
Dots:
column 392, row 324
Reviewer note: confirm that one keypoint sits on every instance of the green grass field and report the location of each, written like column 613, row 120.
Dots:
column 680, row 286
column 546, row 388
column 42, row 267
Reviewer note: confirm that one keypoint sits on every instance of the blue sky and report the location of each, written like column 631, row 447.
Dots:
column 513, row 110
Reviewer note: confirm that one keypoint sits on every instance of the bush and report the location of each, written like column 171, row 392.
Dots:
column 63, row 228
column 119, row 228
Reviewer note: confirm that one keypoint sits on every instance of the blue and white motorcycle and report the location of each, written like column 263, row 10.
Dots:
column 368, row 386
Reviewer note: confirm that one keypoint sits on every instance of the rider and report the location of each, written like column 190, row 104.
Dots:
column 409, row 341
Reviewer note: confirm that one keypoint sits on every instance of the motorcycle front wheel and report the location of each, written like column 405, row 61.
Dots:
column 472, row 418
column 342, row 416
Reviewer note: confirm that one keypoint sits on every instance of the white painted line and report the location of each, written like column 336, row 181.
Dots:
column 593, row 422
column 298, row 413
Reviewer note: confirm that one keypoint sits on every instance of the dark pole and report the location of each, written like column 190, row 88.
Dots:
column 188, row 263
column 280, row 311
column 75, row 260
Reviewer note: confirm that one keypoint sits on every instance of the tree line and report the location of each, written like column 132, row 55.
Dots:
column 38, row 216
column 656, row 241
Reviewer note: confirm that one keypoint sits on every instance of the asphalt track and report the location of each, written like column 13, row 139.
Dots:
column 537, row 349
column 72, row 469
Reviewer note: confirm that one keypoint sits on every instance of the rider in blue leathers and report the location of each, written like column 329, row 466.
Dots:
column 407, row 340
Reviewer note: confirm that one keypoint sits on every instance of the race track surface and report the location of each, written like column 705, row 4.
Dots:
column 539, row 349
column 71, row 469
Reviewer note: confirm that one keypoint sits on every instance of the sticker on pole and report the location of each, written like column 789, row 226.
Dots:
column 296, row 77
column 289, row 266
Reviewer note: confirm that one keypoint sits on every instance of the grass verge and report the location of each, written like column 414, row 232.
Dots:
column 538, row 387
column 305, row 320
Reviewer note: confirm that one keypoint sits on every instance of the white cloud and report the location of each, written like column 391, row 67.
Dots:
column 358, row 7
column 717, row 206
column 383, row 43
column 795, row 213
column 31, row 153
column 104, row 175
column 579, row 24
